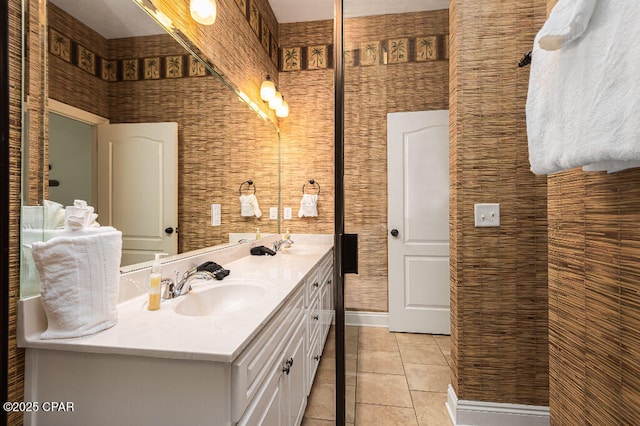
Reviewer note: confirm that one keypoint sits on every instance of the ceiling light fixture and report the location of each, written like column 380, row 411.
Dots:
column 203, row 11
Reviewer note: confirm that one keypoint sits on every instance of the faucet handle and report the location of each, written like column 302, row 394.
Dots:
column 169, row 288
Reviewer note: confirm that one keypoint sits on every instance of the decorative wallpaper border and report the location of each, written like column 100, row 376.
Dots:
column 422, row 48
column 260, row 28
column 133, row 69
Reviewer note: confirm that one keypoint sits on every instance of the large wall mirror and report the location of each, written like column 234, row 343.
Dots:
column 112, row 78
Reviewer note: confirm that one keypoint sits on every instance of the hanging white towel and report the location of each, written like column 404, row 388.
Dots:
column 308, row 205
column 567, row 21
column 584, row 98
column 249, row 206
column 79, row 276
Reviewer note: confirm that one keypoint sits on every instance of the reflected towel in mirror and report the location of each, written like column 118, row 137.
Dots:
column 249, row 206
column 308, row 205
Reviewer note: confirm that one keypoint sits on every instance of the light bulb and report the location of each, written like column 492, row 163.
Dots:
column 276, row 101
column 267, row 89
column 283, row 110
column 203, row 11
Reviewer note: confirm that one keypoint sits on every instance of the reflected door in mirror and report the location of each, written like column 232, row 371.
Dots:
column 138, row 187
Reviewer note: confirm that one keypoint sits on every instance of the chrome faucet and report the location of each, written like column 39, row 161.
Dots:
column 173, row 290
column 277, row 245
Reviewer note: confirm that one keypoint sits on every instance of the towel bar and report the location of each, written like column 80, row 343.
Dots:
column 526, row 60
column 249, row 183
column 312, row 182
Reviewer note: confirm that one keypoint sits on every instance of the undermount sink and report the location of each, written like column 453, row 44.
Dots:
column 222, row 298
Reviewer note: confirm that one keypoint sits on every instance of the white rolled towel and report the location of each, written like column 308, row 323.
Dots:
column 79, row 280
column 308, row 205
column 80, row 216
column 249, row 206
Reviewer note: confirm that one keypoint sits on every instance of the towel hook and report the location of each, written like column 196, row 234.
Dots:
column 249, row 183
column 526, row 59
column 312, row 182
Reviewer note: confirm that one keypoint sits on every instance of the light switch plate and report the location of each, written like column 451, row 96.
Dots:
column 273, row 213
column 287, row 213
column 487, row 215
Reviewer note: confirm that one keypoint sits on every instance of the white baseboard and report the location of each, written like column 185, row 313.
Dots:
column 366, row 319
column 480, row 413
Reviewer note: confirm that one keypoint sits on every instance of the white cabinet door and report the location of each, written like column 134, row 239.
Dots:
column 294, row 392
column 266, row 408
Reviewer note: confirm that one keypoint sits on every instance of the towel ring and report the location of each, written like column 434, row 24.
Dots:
column 312, row 182
column 249, row 183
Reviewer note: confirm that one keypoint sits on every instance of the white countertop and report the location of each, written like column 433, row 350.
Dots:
column 167, row 334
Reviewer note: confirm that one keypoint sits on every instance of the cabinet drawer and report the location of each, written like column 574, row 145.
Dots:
column 251, row 368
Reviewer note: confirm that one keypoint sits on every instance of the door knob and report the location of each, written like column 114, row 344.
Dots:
column 168, row 230
column 394, row 232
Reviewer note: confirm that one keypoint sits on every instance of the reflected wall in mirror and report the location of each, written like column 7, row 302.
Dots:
column 149, row 79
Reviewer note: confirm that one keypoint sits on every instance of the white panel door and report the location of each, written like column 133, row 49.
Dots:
column 138, row 187
column 418, row 215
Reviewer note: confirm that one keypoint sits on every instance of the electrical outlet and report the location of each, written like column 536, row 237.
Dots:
column 273, row 213
column 487, row 215
column 287, row 213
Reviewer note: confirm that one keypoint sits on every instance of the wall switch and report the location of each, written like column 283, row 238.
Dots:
column 273, row 213
column 287, row 213
column 215, row 214
column 487, row 215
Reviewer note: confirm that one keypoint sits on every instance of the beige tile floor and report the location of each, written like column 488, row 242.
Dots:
column 392, row 379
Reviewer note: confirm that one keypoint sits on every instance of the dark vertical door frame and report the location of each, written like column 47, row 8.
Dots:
column 4, row 196
column 339, row 210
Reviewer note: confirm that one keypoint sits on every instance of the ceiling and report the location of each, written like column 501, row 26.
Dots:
column 124, row 18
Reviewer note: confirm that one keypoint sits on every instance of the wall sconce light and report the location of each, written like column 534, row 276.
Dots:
column 203, row 11
column 283, row 110
column 276, row 101
column 267, row 89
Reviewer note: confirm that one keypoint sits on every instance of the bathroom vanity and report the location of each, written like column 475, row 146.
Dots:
column 243, row 350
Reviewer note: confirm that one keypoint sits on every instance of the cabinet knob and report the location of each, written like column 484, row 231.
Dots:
column 316, row 317
column 287, row 366
column 316, row 284
column 317, row 357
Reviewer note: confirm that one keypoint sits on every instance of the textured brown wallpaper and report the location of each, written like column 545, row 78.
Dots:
column 66, row 82
column 16, row 356
column 307, row 135
column 594, row 297
column 498, row 275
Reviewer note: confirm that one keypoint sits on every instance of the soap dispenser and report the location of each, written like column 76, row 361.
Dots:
column 258, row 236
column 155, row 281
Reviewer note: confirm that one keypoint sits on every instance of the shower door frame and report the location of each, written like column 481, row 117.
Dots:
column 338, row 34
